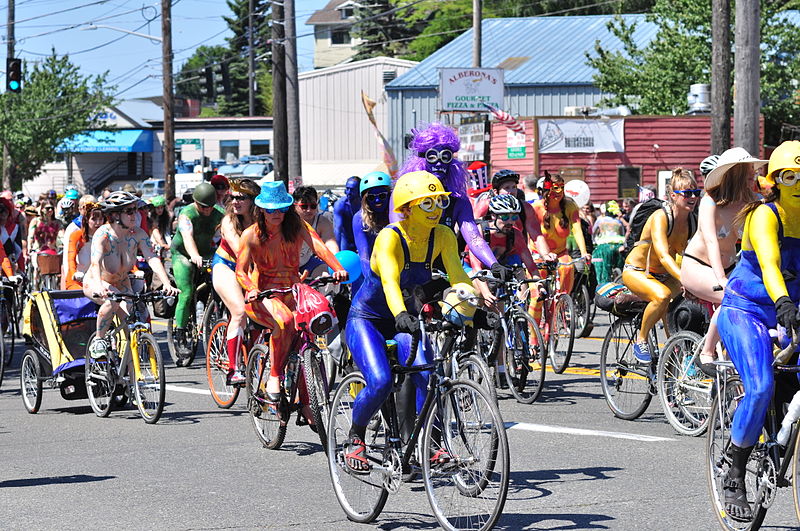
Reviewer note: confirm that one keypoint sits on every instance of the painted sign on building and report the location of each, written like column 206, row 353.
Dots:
column 473, row 136
column 515, row 144
column 581, row 136
column 467, row 89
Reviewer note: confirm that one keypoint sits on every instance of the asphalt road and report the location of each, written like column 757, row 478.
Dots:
column 574, row 466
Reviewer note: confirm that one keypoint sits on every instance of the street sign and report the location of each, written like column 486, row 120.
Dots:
column 188, row 142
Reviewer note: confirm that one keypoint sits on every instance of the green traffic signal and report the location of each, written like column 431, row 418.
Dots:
column 13, row 85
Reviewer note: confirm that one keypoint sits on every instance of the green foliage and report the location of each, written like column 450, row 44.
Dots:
column 384, row 36
column 190, row 78
column 655, row 79
column 56, row 103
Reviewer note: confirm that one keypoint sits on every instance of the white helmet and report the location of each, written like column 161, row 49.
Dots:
column 708, row 164
column 503, row 204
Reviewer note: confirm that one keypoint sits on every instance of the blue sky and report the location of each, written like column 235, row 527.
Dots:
column 43, row 25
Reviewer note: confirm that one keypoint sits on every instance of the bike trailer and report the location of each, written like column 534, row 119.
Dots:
column 58, row 325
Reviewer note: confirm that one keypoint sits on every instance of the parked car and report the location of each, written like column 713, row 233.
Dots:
column 152, row 187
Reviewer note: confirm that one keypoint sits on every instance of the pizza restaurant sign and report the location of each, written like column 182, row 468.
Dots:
column 467, row 89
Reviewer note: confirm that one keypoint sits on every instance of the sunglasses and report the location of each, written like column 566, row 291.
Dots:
column 689, row 193
column 274, row 210
column 788, row 177
column 508, row 217
column 381, row 196
column 306, row 206
column 239, row 197
column 432, row 156
column 429, row 204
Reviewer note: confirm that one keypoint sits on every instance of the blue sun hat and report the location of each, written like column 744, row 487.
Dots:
column 274, row 196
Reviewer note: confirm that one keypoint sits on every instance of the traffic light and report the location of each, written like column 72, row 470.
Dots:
column 13, row 74
column 222, row 82
column 207, row 83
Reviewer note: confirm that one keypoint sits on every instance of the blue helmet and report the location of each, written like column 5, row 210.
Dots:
column 374, row 179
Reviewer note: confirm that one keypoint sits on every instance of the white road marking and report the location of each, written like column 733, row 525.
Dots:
column 190, row 390
column 581, row 431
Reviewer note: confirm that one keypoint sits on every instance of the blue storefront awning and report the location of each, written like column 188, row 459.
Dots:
column 123, row 141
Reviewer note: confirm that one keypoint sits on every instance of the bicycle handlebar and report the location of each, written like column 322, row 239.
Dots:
column 147, row 296
column 314, row 282
column 782, row 356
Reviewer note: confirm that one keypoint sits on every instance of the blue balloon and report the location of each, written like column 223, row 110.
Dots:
column 351, row 263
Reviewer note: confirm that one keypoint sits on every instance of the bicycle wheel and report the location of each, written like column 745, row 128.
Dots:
column 583, row 311
column 525, row 359
column 192, row 341
column 224, row 395
column 473, row 368
column 98, row 377
column 2, row 357
column 625, row 383
column 718, row 460
column 362, row 496
column 796, row 475
column 30, row 383
column 150, row 385
column 9, row 330
column 562, row 333
column 317, row 389
column 684, row 390
column 465, row 464
column 212, row 313
column 267, row 423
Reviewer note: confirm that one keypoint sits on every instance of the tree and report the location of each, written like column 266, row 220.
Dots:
column 383, row 32
column 190, row 78
column 56, row 103
column 655, row 79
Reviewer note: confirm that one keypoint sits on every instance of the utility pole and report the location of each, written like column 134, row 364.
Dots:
column 251, row 59
column 279, row 134
column 747, row 70
column 292, row 93
column 720, row 76
column 7, row 162
column 477, row 37
column 166, row 68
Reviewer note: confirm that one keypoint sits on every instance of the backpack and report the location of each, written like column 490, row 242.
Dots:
column 642, row 212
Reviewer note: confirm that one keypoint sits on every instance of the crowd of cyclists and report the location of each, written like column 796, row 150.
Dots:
column 733, row 244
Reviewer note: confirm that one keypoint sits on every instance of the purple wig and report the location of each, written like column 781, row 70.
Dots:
column 437, row 135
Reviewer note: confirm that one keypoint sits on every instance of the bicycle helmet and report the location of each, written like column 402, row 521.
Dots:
column 374, row 179
column 118, row 200
column 502, row 176
column 708, row 164
column 503, row 204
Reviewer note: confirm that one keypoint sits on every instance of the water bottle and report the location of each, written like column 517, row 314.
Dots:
column 291, row 372
column 791, row 417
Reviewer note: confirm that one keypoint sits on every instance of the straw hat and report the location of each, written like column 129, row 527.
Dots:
column 729, row 159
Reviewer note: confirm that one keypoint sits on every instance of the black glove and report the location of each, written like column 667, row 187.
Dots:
column 788, row 315
column 499, row 271
column 405, row 322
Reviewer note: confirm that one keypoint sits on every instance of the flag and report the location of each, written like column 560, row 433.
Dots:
column 388, row 155
column 506, row 119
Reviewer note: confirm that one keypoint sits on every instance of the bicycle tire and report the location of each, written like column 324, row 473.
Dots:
column 583, row 311
column 525, row 376
column 717, row 460
column 269, row 428
column 211, row 314
column 317, row 390
column 30, row 381
column 683, row 389
column 620, row 377
column 2, row 357
column 796, row 474
column 9, row 333
column 474, row 368
column 150, row 389
column 466, row 411
column 217, row 365
column 98, row 388
column 562, row 333
column 362, row 497
column 191, row 334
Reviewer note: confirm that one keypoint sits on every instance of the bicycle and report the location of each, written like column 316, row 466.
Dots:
column 303, row 371
column 769, row 462
column 49, row 270
column 557, row 322
column 207, row 310
column 518, row 335
column 9, row 325
column 463, row 454
column 583, row 300
column 628, row 386
column 111, row 381
column 218, row 364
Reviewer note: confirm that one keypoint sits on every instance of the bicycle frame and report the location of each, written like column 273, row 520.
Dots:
column 128, row 332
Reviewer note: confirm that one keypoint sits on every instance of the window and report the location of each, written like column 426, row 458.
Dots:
column 629, row 179
column 259, row 147
column 340, row 37
column 229, row 149
column 346, row 12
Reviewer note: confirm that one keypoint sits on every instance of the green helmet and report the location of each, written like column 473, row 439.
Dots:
column 204, row 194
column 158, row 201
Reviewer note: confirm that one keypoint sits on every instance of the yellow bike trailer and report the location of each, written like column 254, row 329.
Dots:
column 57, row 328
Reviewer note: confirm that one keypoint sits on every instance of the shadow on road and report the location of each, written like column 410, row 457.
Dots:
column 553, row 521
column 53, row 480
column 301, row 448
column 528, row 485
column 561, row 391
